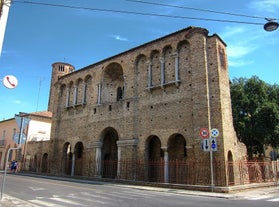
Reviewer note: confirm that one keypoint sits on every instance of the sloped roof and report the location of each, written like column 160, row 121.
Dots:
column 42, row 113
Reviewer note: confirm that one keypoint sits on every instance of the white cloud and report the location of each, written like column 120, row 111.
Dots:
column 271, row 6
column 18, row 102
column 242, row 42
column 119, row 38
column 238, row 51
column 239, row 63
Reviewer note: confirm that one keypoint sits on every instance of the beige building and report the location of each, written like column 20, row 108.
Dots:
column 37, row 130
column 138, row 115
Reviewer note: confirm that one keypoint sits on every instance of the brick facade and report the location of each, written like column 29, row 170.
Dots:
column 145, row 106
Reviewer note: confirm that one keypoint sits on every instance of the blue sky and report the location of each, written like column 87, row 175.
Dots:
column 39, row 35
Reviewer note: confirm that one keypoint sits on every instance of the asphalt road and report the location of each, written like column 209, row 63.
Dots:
column 35, row 191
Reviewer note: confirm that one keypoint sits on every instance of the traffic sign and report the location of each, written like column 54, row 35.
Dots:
column 10, row 81
column 209, row 144
column 214, row 132
column 213, row 144
column 206, row 145
column 204, row 132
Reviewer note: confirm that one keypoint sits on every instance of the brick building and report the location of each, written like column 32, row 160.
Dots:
column 137, row 115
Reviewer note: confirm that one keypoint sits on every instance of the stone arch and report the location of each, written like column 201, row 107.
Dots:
column 142, row 76
column 169, row 64
column 183, row 55
column 154, row 155
column 45, row 163
column 87, row 90
column 67, row 158
column 70, row 94
column 62, row 95
column 155, row 68
column 230, row 168
column 79, row 149
column 177, row 147
column 113, row 79
column 109, row 153
column 177, row 156
column 78, row 91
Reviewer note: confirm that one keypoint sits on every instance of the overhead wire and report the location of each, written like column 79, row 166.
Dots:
column 196, row 9
column 136, row 13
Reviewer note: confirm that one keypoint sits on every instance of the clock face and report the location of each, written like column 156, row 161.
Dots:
column 10, row 81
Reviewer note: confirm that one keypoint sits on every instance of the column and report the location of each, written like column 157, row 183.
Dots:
column 98, row 158
column 99, row 93
column 84, row 92
column 118, row 161
column 166, row 164
column 67, row 97
column 129, row 147
column 73, row 165
column 149, row 84
column 177, row 78
column 75, row 95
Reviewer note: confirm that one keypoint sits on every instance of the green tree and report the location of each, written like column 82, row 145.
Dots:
column 255, row 106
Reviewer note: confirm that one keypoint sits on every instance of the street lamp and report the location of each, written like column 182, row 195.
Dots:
column 271, row 25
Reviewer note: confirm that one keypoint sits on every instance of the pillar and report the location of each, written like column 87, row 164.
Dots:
column 166, row 164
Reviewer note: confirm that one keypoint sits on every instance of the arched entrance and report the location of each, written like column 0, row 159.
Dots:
column 45, row 163
column 67, row 158
column 230, row 168
column 78, row 158
column 177, row 158
column 109, row 153
column 155, row 160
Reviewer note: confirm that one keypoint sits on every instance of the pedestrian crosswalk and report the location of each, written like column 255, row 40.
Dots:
column 113, row 198
column 268, row 198
column 88, row 199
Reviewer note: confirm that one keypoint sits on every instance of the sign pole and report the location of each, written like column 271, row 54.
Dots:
column 211, row 169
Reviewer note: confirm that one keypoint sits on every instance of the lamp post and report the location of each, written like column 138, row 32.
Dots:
column 271, row 25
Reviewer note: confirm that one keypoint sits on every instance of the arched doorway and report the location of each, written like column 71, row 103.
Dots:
column 177, row 158
column 155, row 160
column 67, row 158
column 78, row 158
column 109, row 153
column 45, row 163
column 230, row 168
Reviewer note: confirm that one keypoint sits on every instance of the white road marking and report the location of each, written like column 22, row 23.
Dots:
column 66, row 201
column 273, row 200
column 43, row 203
column 86, row 199
column 96, row 196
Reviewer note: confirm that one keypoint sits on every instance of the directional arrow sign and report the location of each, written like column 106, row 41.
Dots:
column 206, row 145
column 213, row 143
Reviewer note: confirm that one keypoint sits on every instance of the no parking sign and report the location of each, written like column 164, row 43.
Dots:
column 204, row 133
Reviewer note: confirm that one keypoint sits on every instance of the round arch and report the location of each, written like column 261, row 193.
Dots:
column 109, row 153
column 154, row 156
column 113, row 83
column 67, row 158
column 177, row 158
column 45, row 163
column 79, row 148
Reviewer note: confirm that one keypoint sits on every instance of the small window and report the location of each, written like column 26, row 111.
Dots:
column 119, row 94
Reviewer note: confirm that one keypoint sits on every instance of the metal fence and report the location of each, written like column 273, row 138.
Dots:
column 179, row 172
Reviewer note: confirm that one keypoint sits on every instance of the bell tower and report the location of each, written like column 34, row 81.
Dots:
column 59, row 69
